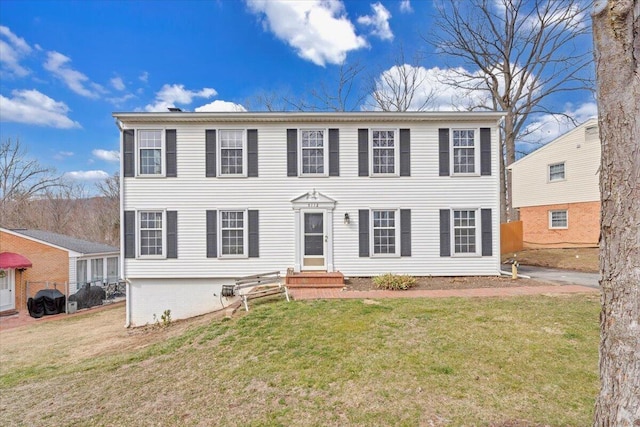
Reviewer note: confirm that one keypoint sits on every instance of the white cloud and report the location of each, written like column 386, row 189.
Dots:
column 318, row 30
column 117, row 83
column 107, row 155
column 57, row 64
column 12, row 50
column 93, row 175
column 573, row 18
column 405, row 6
column 218, row 105
column 61, row 155
column 118, row 101
column 33, row 107
column 144, row 77
column 170, row 95
column 379, row 21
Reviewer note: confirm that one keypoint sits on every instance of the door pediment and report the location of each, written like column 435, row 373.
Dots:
column 313, row 199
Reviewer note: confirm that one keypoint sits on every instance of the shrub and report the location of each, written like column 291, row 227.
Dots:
column 394, row 282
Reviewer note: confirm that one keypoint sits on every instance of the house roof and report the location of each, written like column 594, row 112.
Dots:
column 281, row 117
column 84, row 247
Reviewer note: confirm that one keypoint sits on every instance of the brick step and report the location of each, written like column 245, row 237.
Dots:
column 315, row 279
column 315, row 286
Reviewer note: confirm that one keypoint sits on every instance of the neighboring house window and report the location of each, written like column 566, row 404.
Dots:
column 232, row 152
column 97, row 270
column 556, row 172
column 383, row 156
column 232, row 233
column 151, row 233
column 112, row 269
column 464, row 151
column 150, row 152
column 464, row 231
column 313, row 152
column 384, row 232
column 81, row 272
column 558, row 219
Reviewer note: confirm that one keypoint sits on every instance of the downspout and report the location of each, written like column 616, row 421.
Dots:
column 127, row 322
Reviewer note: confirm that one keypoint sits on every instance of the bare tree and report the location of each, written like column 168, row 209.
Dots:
column 402, row 87
column 520, row 53
column 21, row 179
column 616, row 30
column 109, row 209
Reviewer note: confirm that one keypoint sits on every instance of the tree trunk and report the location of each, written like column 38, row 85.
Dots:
column 616, row 30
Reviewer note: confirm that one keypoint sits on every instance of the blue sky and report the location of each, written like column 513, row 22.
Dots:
column 66, row 66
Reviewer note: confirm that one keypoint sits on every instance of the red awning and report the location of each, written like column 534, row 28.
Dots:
column 11, row 260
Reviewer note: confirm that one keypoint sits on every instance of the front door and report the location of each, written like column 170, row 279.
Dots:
column 314, row 238
column 7, row 290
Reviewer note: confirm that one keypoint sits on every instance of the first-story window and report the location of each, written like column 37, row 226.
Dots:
column 464, row 151
column 383, row 151
column 464, row 231
column 232, row 149
column 97, row 270
column 112, row 269
column 150, row 152
column 232, row 232
column 384, row 232
column 151, row 234
column 558, row 219
column 312, row 152
column 81, row 272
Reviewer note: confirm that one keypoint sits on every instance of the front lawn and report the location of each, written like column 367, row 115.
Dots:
column 522, row 361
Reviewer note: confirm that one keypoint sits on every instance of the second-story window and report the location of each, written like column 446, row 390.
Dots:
column 556, row 172
column 313, row 152
column 150, row 152
column 464, row 151
column 383, row 145
column 232, row 152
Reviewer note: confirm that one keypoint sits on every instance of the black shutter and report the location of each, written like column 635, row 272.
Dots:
column 170, row 148
column 128, row 148
column 405, row 232
column 443, row 149
column 212, row 234
column 445, row 232
column 363, row 232
column 334, row 152
column 129, row 234
column 485, row 151
column 292, row 152
column 254, row 234
column 363, row 152
column 252, row 152
column 172, row 234
column 210, row 152
column 405, row 152
column 487, row 232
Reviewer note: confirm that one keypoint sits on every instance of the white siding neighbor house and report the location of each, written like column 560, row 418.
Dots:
column 208, row 197
column 556, row 189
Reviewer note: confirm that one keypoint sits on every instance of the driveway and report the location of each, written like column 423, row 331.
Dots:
column 560, row 277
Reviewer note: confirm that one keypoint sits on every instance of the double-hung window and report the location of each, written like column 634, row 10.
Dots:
column 151, row 233
column 384, row 156
column 558, row 219
column 313, row 152
column 233, row 230
column 385, row 238
column 112, row 269
column 97, row 270
column 464, row 151
column 556, row 172
column 464, row 231
column 81, row 272
column 150, row 152
column 232, row 152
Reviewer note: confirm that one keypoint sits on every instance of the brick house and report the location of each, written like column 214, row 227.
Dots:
column 556, row 189
column 55, row 260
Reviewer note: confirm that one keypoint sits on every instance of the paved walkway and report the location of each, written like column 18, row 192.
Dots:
column 308, row 294
column 561, row 277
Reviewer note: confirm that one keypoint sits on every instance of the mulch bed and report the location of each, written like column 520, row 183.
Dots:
column 432, row 283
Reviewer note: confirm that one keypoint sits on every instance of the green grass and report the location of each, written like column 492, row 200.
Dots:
column 531, row 360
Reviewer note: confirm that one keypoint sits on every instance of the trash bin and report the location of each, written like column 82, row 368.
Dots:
column 72, row 307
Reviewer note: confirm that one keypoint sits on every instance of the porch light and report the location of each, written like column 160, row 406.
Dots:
column 347, row 220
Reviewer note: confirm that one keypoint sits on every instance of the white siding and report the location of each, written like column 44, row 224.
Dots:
column 424, row 192
column 580, row 151
column 72, row 285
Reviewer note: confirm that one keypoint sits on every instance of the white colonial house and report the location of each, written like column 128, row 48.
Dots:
column 208, row 197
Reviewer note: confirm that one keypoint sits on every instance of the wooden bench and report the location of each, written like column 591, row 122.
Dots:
column 259, row 285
